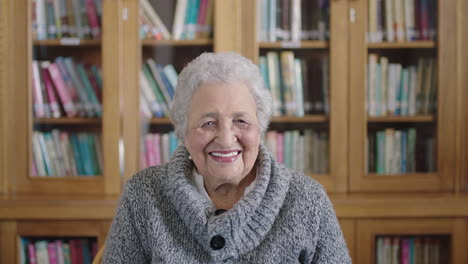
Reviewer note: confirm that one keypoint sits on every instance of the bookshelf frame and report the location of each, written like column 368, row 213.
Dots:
column 444, row 179
column 368, row 229
column 348, row 227
column 463, row 106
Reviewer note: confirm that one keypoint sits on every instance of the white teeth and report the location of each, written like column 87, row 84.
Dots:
column 232, row 154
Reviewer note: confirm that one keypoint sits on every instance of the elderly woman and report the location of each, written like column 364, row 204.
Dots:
column 222, row 197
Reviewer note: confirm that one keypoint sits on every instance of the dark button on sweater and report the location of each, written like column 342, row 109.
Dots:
column 219, row 211
column 217, row 242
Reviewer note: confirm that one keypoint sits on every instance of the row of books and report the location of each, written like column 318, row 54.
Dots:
column 59, row 153
column 396, row 90
column 192, row 20
column 157, row 148
column 392, row 151
column 57, row 251
column 305, row 150
column 52, row 19
column 293, row 20
column 412, row 249
column 299, row 86
column 157, row 85
column 66, row 88
column 401, row 20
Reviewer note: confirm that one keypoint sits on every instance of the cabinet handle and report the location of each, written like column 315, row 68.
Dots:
column 352, row 15
column 125, row 13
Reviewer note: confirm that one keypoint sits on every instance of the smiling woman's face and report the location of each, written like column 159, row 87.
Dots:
column 222, row 132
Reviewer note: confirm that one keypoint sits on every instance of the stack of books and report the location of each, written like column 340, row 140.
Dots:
column 54, row 19
column 64, row 88
column 396, row 90
column 299, row 86
column 293, row 20
column 158, row 84
column 401, row 20
column 192, row 19
column 54, row 251
column 306, row 151
column 58, row 153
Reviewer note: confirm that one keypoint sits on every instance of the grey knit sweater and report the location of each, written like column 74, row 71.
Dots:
column 286, row 218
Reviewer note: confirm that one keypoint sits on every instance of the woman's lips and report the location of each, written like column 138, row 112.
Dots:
column 225, row 156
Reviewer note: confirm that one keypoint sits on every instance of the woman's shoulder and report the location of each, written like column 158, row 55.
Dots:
column 306, row 187
column 147, row 179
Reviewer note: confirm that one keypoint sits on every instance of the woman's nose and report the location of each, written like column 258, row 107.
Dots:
column 226, row 136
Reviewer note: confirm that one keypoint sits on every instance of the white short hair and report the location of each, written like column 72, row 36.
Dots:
column 225, row 67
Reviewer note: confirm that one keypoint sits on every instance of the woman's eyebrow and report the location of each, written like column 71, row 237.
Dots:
column 209, row 114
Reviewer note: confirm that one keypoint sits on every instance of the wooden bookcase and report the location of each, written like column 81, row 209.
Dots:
column 14, row 231
column 336, row 50
column 368, row 230
column 19, row 119
column 366, row 204
column 445, row 51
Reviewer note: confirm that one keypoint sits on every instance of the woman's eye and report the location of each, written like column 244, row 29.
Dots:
column 241, row 121
column 208, row 124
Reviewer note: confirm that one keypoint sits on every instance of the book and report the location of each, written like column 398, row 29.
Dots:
column 38, row 95
column 156, row 90
column 371, row 84
column 42, row 255
column 41, row 19
column 381, row 152
column 53, row 102
column 389, row 21
column 288, row 82
column 32, row 257
column 275, row 81
column 66, row 253
column 62, row 90
column 154, row 19
column 52, row 252
column 161, row 85
column 179, row 19
column 171, row 75
column 59, row 251
column 149, row 95
column 38, row 157
column 93, row 19
column 86, row 251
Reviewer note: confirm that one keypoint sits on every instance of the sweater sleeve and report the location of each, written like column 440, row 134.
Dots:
column 331, row 246
column 124, row 243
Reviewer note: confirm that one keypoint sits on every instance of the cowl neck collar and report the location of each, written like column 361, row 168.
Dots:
column 245, row 225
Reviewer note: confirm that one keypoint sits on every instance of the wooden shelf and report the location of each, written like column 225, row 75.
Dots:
column 420, row 175
column 402, row 45
column 68, row 121
column 276, row 119
column 76, row 207
column 68, row 42
column 160, row 121
column 308, row 44
column 179, row 43
column 401, row 119
column 304, row 119
column 67, row 178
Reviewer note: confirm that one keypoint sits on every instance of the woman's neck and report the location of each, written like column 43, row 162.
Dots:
column 225, row 196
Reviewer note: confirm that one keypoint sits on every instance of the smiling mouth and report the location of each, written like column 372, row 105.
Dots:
column 225, row 154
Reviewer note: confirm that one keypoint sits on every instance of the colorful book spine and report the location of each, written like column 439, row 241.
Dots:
column 54, row 106
column 179, row 19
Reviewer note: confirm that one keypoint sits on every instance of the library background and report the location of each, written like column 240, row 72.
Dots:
column 370, row 100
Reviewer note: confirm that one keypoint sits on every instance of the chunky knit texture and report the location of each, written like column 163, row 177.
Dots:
column 286, row 218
